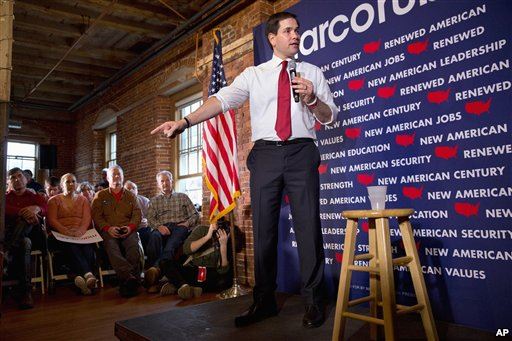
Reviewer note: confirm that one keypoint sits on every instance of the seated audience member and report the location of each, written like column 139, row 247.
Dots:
column 144, row 230
column 171, row 216
column 31, row 183
column 117, row 215
column 87, row 190
column 98, row 188
column 52, row 186
column 69, row 213
column 104, row 180
column 207, row 267
column 23, row 210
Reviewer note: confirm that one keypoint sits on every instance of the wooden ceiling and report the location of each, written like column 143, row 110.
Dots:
column 94, row 39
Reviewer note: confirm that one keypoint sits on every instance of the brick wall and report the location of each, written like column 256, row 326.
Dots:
column 142, row 98
column 61, row 134
column 89, row 151
column 140, row 154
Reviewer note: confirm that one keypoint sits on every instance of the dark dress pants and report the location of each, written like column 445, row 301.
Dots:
column 20, row 239
column 79, row 257
column 290, row 169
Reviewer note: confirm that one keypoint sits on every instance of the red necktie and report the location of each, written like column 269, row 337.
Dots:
column 284, row 113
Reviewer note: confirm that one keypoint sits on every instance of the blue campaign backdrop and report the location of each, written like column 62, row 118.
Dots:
column 424, row 94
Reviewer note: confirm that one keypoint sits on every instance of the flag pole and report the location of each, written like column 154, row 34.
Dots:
column 217, row 133
column 236, row 290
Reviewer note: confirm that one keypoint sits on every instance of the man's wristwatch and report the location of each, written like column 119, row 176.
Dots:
column 188, row 122
column 312, row 105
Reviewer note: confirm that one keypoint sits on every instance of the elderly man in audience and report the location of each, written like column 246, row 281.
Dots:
column 69, row 213
column 144, row 230
column 52, row 186
column 23, row 211
column 172, row 216
column 117, row 215
column 87, row 190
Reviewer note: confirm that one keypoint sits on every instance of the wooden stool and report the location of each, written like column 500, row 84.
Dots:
column 382, row 287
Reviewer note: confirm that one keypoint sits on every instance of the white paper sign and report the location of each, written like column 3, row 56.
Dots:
column 89, row 237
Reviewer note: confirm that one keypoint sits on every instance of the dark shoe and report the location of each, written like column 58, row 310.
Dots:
column 314, row 316
column 26, row 301
column 132, row 284
column 257, row 311
column 123, row 290
column 129, row 288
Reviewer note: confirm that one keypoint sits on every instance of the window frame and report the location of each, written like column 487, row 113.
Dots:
column 108, row 147
column 180, row 105
column 28, row 158
column 188, row 101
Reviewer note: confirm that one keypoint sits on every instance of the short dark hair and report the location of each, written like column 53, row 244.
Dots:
column 14, row 170
column 29, row 172
column 272, row 25
column 53, row 181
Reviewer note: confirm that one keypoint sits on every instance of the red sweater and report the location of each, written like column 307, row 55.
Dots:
column 14, row 203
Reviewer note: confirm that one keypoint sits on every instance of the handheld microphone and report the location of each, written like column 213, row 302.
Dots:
column 293, row 74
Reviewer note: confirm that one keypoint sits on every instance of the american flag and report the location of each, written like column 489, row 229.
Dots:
column 219, row 146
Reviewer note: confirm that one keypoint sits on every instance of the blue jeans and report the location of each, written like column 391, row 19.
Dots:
column 162, row 247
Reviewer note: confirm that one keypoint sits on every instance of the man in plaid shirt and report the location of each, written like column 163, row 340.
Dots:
column 172, row 216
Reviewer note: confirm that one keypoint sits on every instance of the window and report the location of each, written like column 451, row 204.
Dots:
column 111, row 146
column 189, row 178
column 22, row 155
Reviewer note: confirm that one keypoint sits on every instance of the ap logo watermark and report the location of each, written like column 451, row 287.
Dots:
column 502, row 332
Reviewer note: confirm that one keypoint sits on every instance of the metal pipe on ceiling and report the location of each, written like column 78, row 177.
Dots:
column 169, row 41
column 71, row 48
column 172, row 9
column 30, row 105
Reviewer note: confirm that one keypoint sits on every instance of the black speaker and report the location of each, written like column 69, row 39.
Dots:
column 47, row 156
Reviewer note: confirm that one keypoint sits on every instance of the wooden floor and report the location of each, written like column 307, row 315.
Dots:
column 69, row 316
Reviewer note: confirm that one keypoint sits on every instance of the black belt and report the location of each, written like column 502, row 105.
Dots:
column 282, row 143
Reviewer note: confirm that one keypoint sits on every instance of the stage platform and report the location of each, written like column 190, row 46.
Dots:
column 215, row 321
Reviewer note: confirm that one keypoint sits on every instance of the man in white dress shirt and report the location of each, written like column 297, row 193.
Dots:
column 284, row 159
